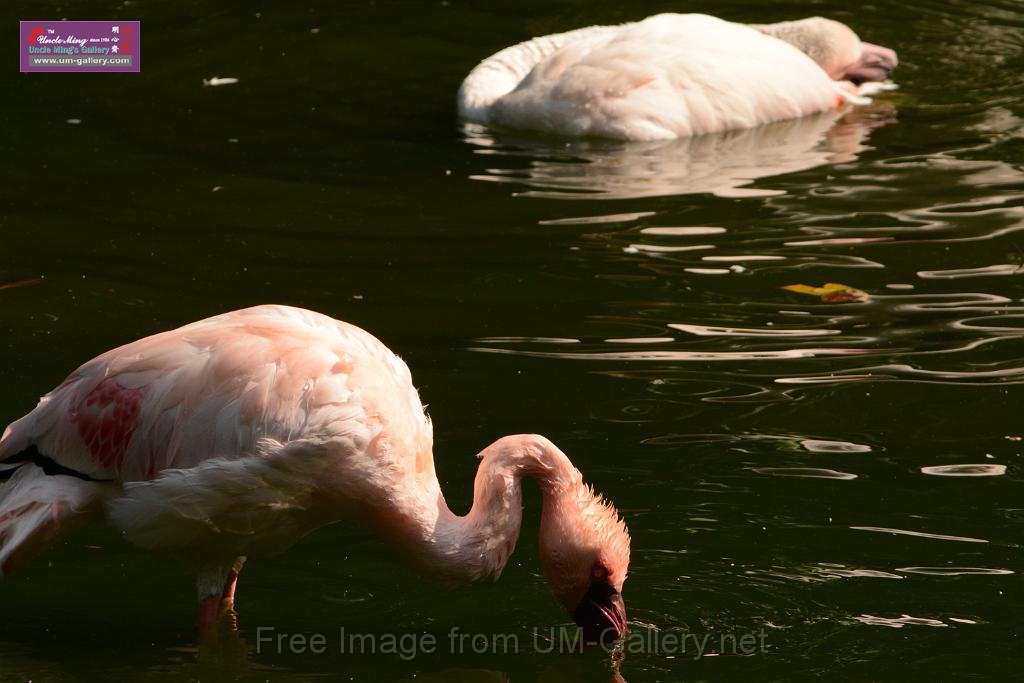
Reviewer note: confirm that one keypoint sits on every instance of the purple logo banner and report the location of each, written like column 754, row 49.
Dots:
column 52, row 46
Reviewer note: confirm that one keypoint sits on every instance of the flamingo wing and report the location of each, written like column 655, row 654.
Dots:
column 216, row 389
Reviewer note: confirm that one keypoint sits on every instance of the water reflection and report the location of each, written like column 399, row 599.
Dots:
column 900, row 621
column 920, row 534
column 831, row 571
column 822, row 446
column 724, row 165
column 955, row 571
column 806, row 472
column 926, row 337
column 979, row 470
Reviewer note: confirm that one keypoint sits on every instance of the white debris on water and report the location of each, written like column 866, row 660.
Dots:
column 218, row 81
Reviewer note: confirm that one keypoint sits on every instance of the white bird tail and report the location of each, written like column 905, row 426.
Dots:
column 500, row 73
column 36, row 508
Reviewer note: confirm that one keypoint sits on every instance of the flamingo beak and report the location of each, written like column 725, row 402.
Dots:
column 875, row 64
column 601, row 615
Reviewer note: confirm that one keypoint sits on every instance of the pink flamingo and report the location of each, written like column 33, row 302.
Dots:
column 673, row 75
column 234, row 436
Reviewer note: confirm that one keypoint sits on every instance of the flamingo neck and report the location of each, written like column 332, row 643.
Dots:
column 500, row 73
column 831, row 44
column 460, row 549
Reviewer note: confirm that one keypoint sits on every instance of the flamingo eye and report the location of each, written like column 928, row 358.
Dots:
column 599, row 572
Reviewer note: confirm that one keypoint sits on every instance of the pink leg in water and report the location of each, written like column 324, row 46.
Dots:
column 214, row 608
column 209, row 611
column 227, row 598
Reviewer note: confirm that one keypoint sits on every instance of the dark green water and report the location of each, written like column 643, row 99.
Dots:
column 765, row 448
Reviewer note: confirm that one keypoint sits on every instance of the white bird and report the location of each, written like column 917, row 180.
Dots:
column 672, row 75
column 235, row 436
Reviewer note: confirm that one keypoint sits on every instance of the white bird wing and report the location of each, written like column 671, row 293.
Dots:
column 671, row 75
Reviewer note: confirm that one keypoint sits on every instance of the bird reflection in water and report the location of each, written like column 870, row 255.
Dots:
column 723, row 164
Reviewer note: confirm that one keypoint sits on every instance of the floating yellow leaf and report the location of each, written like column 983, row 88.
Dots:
column 831, row 292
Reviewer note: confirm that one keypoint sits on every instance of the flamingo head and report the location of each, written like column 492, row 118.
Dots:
column 874, row 64
column 836, row 49
column 584, row 547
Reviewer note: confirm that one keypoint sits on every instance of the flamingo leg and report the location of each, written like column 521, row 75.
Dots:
column 206, row 620
column 217, row 600
column 227, row 598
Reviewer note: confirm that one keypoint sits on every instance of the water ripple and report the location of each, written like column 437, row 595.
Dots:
column 597, row 220
column 920, row 534
column 981, row 470
column 708, row 330
column 820, row 446
column 838, row 572
column 983, row 271
column 894, row 326
column 1014, row 375
column 955, row 571
column 900, row 621
column 682, row 355
column 808, row 472
column 683, row 231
